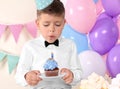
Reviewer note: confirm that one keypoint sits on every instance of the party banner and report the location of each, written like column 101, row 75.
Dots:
column 2, row 29
column 31, row 27
column 2, row 56
column 17, row 28
column 12, row 60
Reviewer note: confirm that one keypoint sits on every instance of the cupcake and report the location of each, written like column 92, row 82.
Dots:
column 51, row 67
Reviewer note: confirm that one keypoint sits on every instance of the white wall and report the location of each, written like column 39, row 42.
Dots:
column 14, row 12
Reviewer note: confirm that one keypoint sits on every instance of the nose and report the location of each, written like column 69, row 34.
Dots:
column 52, row 29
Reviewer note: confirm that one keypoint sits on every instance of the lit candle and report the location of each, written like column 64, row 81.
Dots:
column 52, row 55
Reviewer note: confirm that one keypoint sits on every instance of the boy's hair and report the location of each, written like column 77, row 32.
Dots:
column 55, row 8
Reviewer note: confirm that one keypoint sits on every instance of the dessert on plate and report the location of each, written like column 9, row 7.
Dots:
column 51, row 67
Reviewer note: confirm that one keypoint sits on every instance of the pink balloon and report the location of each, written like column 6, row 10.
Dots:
column 81, row 14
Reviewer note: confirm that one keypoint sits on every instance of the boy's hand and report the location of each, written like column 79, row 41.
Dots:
column 68, row 78
column 32, row 77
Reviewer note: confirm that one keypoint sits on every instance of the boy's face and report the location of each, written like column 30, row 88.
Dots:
column 50, row 26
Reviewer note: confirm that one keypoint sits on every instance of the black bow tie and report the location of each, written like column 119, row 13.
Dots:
column 56, row 43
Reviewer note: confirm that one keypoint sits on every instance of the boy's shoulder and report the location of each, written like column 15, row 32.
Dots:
column 33, row 41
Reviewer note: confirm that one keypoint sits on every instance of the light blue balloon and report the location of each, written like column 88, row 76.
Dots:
column 80, row 40
column 95, row 1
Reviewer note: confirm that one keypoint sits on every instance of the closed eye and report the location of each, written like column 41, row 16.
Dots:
column 46, row 25
column 58, row 24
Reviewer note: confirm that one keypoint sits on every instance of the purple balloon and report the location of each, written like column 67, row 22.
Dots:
column 112, row 7
column 113, row 61
column 103, row 35
column 103, row 15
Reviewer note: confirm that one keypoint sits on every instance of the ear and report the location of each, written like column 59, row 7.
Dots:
column 37, row 22
column 64, row 21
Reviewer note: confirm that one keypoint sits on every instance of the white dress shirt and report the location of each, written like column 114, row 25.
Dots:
column 35, row 54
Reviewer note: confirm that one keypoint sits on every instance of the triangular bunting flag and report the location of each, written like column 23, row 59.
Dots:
column 12, row 62
column 32, row 28
column 2, row 56
column 16, row 29
column 2, row 29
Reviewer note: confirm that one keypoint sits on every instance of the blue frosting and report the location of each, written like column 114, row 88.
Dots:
column 50, row 64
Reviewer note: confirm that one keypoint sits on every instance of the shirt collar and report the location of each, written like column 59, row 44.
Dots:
column 43, row 39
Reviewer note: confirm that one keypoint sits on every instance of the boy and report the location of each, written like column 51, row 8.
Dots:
column 50, row 22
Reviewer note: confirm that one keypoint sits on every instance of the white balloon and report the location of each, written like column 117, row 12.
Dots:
column 91, row 62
